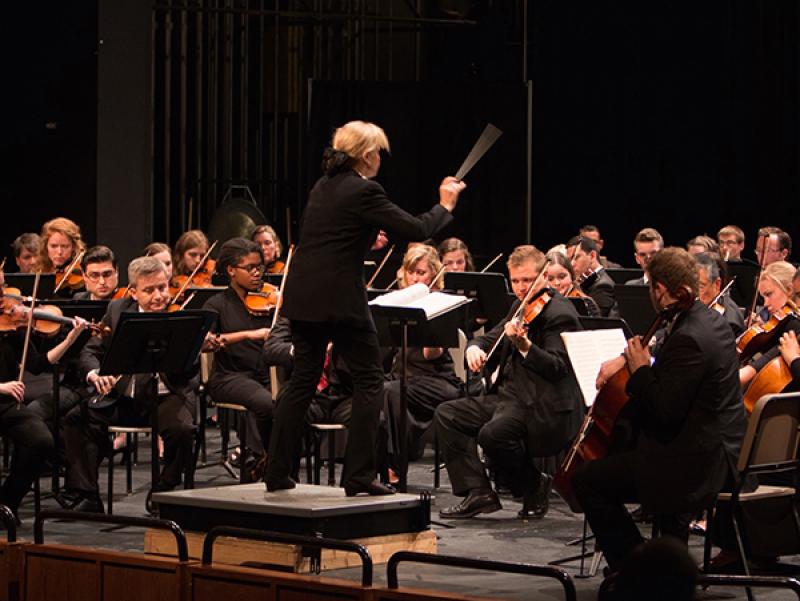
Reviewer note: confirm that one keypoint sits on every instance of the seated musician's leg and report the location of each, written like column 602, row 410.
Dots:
column 242, row 390
column 603, row 487
column 176, row 415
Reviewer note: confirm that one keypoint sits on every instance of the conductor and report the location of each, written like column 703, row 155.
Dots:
column 325, row 298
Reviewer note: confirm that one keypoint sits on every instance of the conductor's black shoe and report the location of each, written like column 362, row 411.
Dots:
column 374, row 488
column 68, row 499
column 536, row 504
column 280, row 484
column 475, row 502
column 90, row 505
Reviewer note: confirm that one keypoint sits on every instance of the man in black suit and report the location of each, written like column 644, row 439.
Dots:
column 85, row 429
column 325, row 298
column 594, row 280
column 533, row 409
column 646, row 244
column 687, row 412
column 710, row 272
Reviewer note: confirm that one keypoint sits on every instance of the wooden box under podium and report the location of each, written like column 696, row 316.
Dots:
column 384, row 524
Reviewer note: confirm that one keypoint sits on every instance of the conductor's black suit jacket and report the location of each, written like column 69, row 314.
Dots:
column 689, row 407
column 343, row 215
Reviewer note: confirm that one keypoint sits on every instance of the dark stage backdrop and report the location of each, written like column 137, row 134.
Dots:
column 431, row 129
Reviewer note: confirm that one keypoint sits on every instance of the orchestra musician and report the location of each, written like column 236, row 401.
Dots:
column 646, row 243
column 240, row 373
column 790, row 351
column 702, row 244
column 325, row 298
column 773, row 244
column 561, row 278
column 162, row 252
column 85, row 429
column 775, row 287
column 455, row 256
column 26, row 251
column 431, row 376
column 100, row 274
column 688, row 413
column 532, row 409
column 593, row 233
column 190, row 249
column 731, row 244
column 597, row 283
column 710, row 271
column 33, row 442
column 271, row 248
column 61, row 241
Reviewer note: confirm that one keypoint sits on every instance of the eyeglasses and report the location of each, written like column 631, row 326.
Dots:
column 729, row 243
column 250, row 268
column 95, row 276
column 769, row 250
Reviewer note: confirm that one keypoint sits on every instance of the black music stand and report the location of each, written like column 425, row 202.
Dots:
column 635, row 306
column 590, row 322
column 24, row 281
column 408, row 326
column 620, row 275
column 744, row 287
column 153, row 343
column 199, row 295
column 90, row 311
column 490, row 289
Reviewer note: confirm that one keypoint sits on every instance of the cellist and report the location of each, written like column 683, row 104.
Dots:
column 687, row 410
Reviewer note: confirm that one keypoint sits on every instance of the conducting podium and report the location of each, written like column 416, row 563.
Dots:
column 152, row 344
column 416, row 317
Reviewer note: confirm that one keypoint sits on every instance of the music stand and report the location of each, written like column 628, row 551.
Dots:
column 606, row 323
column 409, row 326
column 635, row 306
column 490, row 289
column 24, row 281
column 744, row 287
column 201, row 295
column 620, row 275
column 153, row 343
column 90, row 311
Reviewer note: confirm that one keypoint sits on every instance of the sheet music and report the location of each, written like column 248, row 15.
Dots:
column 587, row 351
column 419, row 297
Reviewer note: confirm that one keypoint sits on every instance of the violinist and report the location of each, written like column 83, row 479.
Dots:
column 731, row 244
column 271, row 248
column 432, row 377
column 710, row 272
column 532, row 409
column 26, row 251
column 190, row 249
column 33, row 443
column 593, row 233
column 127, row 403
column 240, row 373
column 325, row 298
column 455, row 256
column 561, row 278
column 686, row 409
column 775, row 287
column 61, row 242
column 702, row 244
column 596, row 282
column 773, row 244
column 162, row 252
column 646, row 244
column 100, row 274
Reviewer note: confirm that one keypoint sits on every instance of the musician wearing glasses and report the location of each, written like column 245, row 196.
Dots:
column 710, row 275
column 773, row 244
column 100, row 274
column 240, row 373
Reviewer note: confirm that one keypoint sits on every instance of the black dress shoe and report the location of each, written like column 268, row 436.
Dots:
column 536, row 504
column 375, row 488
column 280, row 484
column 68, row 499
column 90, row 505
column 475, row 502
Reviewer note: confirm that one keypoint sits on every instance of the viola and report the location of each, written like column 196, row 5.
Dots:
column 761, row 336
column 276, row 267
column 47, row 319
column 594, row 437
column 264, row 301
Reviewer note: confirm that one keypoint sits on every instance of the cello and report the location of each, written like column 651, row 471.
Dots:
column 595, row 435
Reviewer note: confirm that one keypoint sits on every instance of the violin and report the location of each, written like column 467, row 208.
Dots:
column 69, row 276
column 761, row 336
column 276, row 267
column 535, row 306
column 264, row 301
column 594, row 437
column 123, row 292
column 47, row 319
column 205, row 269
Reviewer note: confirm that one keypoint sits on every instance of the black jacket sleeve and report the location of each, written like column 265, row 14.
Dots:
column 278, row 345
column 382, row 213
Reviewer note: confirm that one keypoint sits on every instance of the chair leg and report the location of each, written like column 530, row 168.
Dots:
column 201, row 427
column 110, row 503
column 331, row 458
column 707, row 539
column 436, row 465
column 129, row 462
column 309, row 457
column 317, row 457
column 37, row 495
column 243, row 450
column 222, row 418
column 737, row 528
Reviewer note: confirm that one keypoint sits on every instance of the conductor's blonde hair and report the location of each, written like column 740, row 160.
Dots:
column 357, row 138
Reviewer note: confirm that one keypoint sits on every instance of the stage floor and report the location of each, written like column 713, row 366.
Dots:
column 498, row 536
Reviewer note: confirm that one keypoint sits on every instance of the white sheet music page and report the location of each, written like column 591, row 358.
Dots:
column 587, row 351
column 418, row 297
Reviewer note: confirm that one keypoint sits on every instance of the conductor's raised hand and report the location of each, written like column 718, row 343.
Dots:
column 449, row 190
column 476, row 358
